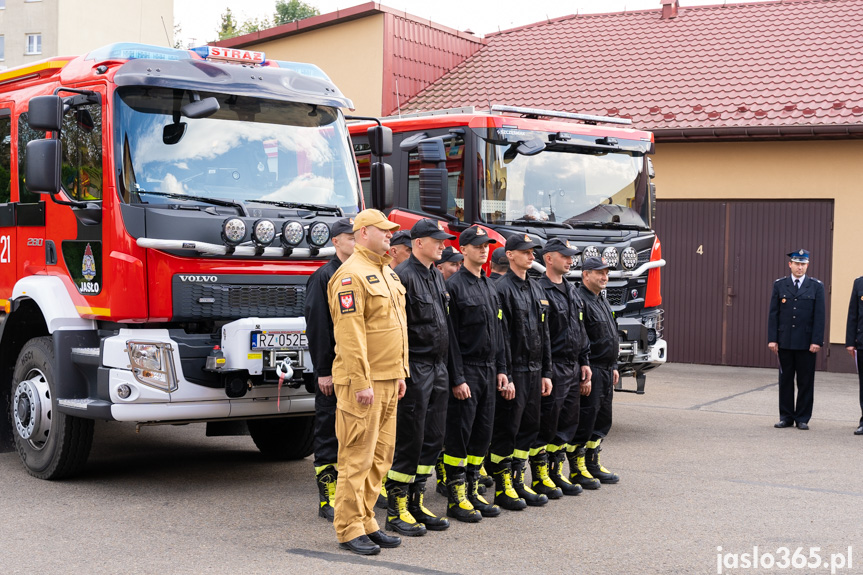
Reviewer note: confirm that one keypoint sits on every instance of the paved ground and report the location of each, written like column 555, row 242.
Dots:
column 701, row 465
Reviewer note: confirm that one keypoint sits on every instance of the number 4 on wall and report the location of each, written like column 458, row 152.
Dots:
column 700, row 250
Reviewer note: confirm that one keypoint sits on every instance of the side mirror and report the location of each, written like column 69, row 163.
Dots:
column 42, row 173
column 84, row 119
column 200, row 108
column 381, row 140
column 382, row 185
column 173, row 133
column 45, row 113
column 434, row 188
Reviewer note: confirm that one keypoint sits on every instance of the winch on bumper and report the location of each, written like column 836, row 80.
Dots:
column 169, row 375
column 641, row 348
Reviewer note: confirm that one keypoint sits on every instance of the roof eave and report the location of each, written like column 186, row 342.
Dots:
column 737, row 133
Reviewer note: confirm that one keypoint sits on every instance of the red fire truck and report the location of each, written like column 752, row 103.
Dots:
column 546, row 174
column 160, row 212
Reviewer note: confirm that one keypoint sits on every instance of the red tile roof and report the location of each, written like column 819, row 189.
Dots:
column 795, row 64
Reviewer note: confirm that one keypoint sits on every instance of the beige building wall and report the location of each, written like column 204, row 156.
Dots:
column 89, row 24
column 351, row 54
column 779, row 170
column 20, row 18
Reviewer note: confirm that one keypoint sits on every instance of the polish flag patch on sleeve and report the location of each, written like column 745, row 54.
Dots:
column 346, row 302
column 346, row 281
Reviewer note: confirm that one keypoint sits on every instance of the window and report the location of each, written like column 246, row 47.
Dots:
column 2, row 4
column 2, row 46
column 455, row 167
column 81, row 171
column 25, row 134
column 5, row 156
column 34, row 44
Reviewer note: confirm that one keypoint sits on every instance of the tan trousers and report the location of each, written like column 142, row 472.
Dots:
column 367, row 438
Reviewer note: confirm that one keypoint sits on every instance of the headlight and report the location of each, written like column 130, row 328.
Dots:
column 319, row 234
column 576, row 260
column 630, row 258
column 263, row 232
column 292, row 234
column 152, row 364
column 233, row 231
column 590, row 252
column 611, row 256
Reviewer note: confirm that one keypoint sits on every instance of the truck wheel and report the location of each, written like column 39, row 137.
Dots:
column 52, row 445
column 284, row 438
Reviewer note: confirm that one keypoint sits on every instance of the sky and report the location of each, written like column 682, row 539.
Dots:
column 199, row 19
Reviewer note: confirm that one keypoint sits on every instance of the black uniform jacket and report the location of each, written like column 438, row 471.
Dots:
column 319, row 323
column 477, row 321
column 601, row 328
column 427, row 307
column 525, row 311
column 796, row 318
column 854, row 329
column 569, row 343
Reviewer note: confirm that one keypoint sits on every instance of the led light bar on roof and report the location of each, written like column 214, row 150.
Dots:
column 301, row 68
column 134, row 51
column 553, row 114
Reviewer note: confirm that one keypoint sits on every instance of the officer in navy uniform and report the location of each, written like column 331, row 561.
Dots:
column 795, row 331
column 854, row 337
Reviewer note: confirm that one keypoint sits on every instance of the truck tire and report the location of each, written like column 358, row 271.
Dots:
column 286, row 438
column 51, row 444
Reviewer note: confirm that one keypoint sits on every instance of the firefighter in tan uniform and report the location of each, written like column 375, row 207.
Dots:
column 367, row 304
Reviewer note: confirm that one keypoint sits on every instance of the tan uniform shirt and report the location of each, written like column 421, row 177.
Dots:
column 367, row 303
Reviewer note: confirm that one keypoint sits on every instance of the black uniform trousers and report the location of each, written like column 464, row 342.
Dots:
column 516, row 421
column 860, row 377
column 568, row 376
column 325, row 444
column 420, row 421
column 469, row 421
column 799, row 362
column 595, row 417
column 551, row 406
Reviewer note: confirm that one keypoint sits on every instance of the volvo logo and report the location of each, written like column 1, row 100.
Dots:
column 204, row 279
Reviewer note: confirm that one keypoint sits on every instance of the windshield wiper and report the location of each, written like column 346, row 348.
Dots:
column 214, row 201
column 540, row 223
column 605, row 225
column 301, row 206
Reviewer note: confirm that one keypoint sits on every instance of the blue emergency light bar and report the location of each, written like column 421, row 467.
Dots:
column 134, row 51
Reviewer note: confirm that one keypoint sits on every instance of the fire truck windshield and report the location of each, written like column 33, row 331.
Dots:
column 249, row 150
column 563, row 184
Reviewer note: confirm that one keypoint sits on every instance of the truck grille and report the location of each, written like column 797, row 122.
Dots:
column 615, row 296
column 233, row 300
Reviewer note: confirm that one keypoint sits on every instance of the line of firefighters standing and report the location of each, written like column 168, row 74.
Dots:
column 503, row 372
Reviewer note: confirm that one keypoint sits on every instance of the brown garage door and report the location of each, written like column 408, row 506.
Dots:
column 722, row 260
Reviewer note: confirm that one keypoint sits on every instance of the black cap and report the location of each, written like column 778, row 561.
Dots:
column 343, row 226
column 562, row 246
column 450, row 255
column 594, row 263
column 426, row 228
column 475, row 236
column 401, row 238
column 800, row 255
column 520, row 242
column 498, row 257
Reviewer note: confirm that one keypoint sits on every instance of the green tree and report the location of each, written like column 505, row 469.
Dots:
column 254, row 25
column 228, row 28
column 178, row 41
column 290, row 10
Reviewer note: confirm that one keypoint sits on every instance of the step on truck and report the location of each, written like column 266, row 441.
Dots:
column 544, row 173
column 160, row 213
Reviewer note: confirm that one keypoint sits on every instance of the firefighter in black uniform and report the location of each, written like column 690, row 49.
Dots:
column 570, row 352
column 421, row 415
column 479, row 372
column 528, row 354
column 499, row 264
column 594, row 421
column 319, row 331
column 854, row 337
column 795, row 332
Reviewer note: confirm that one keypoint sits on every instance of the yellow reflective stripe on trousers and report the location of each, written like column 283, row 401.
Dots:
column 400, row 477
column 495, row 458
column 454, row 461
column 554, row 448
column 426, row 469
column 592, row 444
column 475, row 459
column 520, row 454
column 537, row 450
column 320, row 468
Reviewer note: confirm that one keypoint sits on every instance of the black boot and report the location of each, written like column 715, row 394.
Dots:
column 420, row 512
column 381, row 503
column 578, row 472
column 504, row 494
column 458, row 506
column 440, row 476
column 473, row 495
column 485, row 479
column 398, row 517
column 326, row 479
column 591, row 459
column 530, row 496
column 555, row 471
column 540, row 480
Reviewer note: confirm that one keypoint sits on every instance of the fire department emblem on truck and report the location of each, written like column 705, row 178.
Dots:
column 88, row 272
